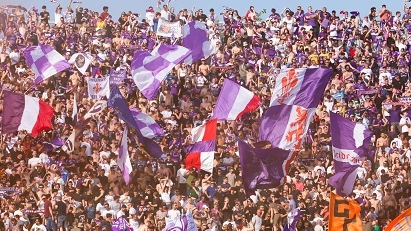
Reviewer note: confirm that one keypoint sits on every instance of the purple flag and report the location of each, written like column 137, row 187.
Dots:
column 147, row 125
column 119, row 104
column 149, row 70
column 292, row 219
column 121, row 224
column 263, row 168
column 350, row 143
column 116, row 77
column 123, row 161
column 45, row 62
column 292, row 106
column 195, row 39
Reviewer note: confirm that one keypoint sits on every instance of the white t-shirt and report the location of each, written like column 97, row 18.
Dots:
column 180, row 175
column 40, row 227
column 404, row 123
column 258, row 221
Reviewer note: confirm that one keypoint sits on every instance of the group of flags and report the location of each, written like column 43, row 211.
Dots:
column 265, row 164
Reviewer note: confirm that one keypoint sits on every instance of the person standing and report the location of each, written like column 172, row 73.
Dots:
column 61, row 208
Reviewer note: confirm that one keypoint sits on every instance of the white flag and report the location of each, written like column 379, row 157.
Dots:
column 99, row 87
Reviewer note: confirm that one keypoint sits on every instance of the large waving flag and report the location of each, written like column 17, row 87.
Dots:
column 295, row 97
column 263, row 168
column 195, row 38
column 350, row 143
column 119, row 104
column 81, row 61
column 147, row 125
column 45, row 62
column 400, row 223
column 234, row 101
column 149, row 70
column 345, row 214
column 201, row 156
column 22, row 112
column 123, row 161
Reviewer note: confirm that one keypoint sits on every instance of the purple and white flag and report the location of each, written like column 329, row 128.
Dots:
column 149, row 70
column 99, row 87
column 350, row 143
column 263, row 168
column 195, row 38
column 81, row 61
column 120, row 106
column 295, row 97
column 234, row 101
column 147, row 125
column 292, row 219
column 54, row 1
column 183, row 223
column 45, row 62
column 123, row 161
column 117, row 77
column 121, row 224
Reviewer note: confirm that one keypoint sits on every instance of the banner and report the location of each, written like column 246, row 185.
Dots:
column 98, row 87
column 367, row 92
column 344, row 214
column 120, row 224
column 116, row 77
column 169, row 29
column 401, row 223
column 404, row 100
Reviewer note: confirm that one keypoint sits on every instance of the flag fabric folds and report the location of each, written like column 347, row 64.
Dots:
column 195, row 38
column 350, row 142
column 263, row 168
column 201, row 155
column 344, row 214
column 119, row 104
column 22, row 112
column 234, row 101
column 123, row 161
column 81, row 61
column 292, row 219
column 400, row 223
column 99, row 87
column 149, row 70
column 147, row 125
column 295, row 97
column 45, row 62
column 183, row 223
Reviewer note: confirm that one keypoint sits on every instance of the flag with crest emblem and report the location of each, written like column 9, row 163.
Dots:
column 295, row 97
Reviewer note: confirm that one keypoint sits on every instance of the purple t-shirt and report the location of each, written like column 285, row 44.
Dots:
column 311, row 21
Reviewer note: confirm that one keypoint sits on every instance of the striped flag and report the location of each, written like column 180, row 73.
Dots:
column 22, row 112
column 123, row 161
column 201, row 155
column 234, row 101
column 45, row 62
column 149, row 70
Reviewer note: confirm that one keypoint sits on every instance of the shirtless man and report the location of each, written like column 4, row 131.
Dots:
column 205, row 104
column 204, row 68
column 382, row 141
column 75, row 79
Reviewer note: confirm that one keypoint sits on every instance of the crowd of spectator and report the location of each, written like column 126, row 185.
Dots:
column 43, row 189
